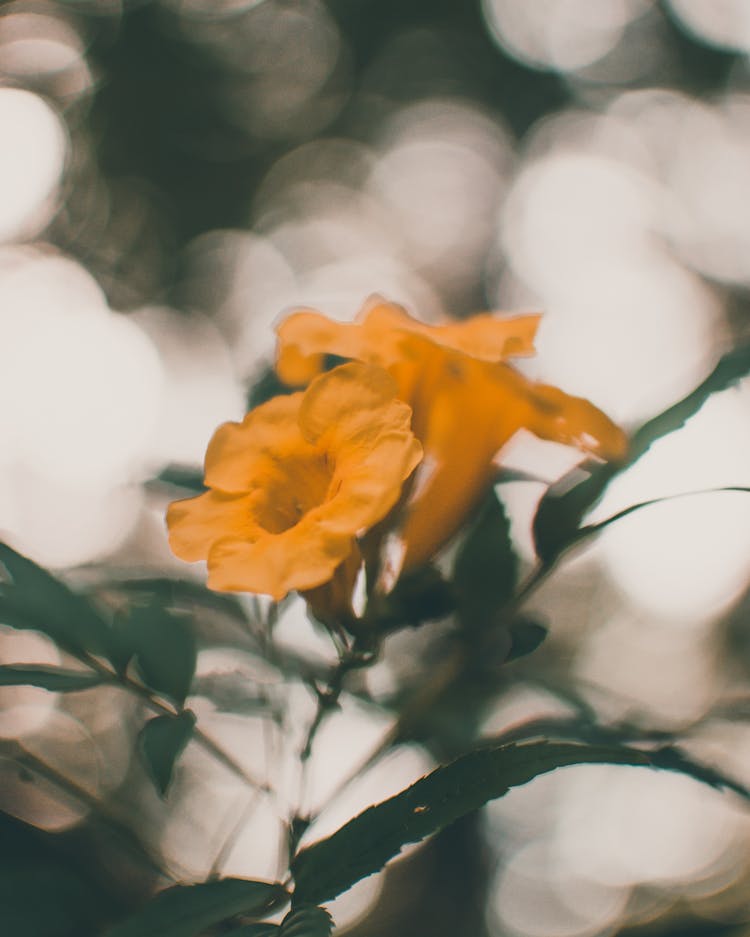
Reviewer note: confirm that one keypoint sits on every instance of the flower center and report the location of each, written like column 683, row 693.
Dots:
column 297, row 485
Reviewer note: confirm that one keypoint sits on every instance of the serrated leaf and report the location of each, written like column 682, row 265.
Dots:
column 187, row 910
column 364, row 845
column 486, row 566
column 163, row 646
column 54, row 679
column 561, row 510
column 307, row 922
column 35, row 599
column 161, row 741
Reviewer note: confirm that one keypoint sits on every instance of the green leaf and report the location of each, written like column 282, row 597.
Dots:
column 255, row 930
column 525, row 636
column 182, row 477
column 187, row 910
column 561, row 510
column 364, row 845
column 161, row 741
column 266, row 386
column 35, row 599
column 163, row 645
column 164, row 591
column 54, row 679
column 307, row 922
column 486, row 567
column 422, row 595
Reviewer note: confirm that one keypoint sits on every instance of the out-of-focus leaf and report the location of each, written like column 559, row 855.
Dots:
column 307, row 922
column 232, row 692
column 486, row 567
column 163, row 646
column 525, row 636
column 166, row 592
column 266, row 386
column 255, row 930
column 44, row 899
column 36, row 600
column 364, row 845
column 183, row 477
column 563, row 507
column 423, row 595
column 187, row 910
column 161, row 742
column 54, row 679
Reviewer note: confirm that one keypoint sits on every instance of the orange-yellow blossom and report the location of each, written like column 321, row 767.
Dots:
column 291, row 487
column 467, row 403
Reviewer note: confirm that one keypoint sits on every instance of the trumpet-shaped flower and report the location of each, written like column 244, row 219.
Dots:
column 466, row 402
column 292, row 486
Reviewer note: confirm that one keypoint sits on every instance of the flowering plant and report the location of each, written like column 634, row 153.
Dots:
column 371, row 493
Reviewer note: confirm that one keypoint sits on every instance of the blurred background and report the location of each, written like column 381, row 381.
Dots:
column 174, row 174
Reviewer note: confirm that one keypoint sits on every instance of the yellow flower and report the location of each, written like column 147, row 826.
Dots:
column 292, row 486
column 466, row 402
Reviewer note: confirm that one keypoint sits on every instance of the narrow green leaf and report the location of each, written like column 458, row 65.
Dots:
column 35, row 599
column 307, row 922
column 54, row 679
column 364, row 845
column 486, row 567
column 187, row 910
column 161, row 741
column 182, row 477
column 163, row 646
column 563, row 507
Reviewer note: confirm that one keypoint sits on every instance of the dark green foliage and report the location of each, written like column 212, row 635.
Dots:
column 182, row 477
column 163, row 646
column 307, row 922
column 419, row 596
column 266, row 386
column 364, row 845
column 161, row 741
column 187, row 910
column 486, row 567
column 525, row 636
column 33, row 598
column 255, row 930
column 45, row 891
column 159, row 590
column 54, row 679
column 561, row 510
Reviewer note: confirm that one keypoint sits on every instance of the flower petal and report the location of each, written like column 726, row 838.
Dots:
column 577, row 422
column 235, row 448
column 193, row 523
column 303, row 557
column 305, row 338
column 485, row 336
